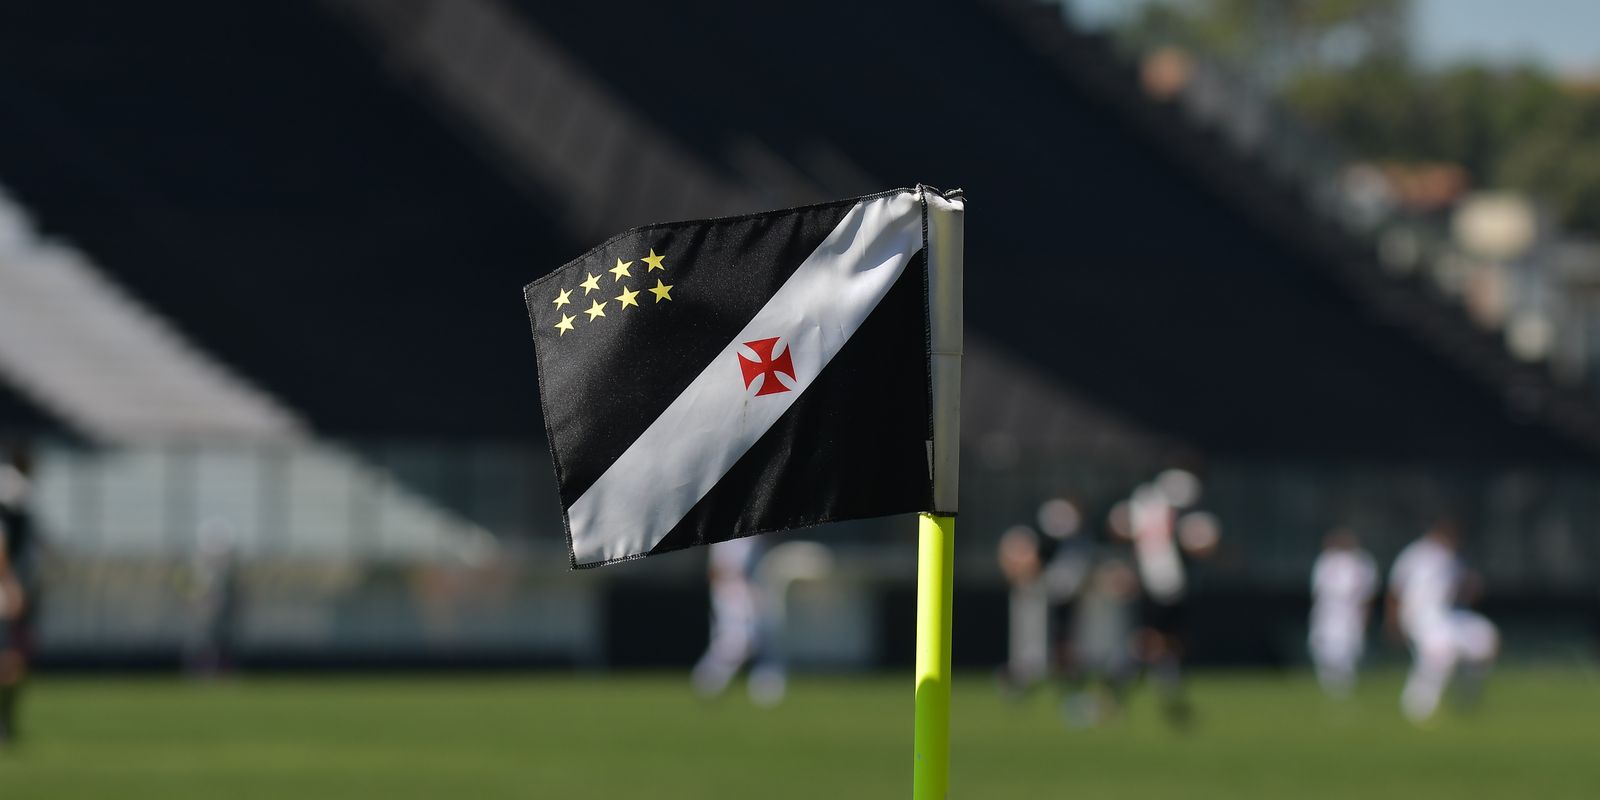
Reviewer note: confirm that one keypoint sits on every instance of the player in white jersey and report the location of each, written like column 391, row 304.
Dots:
column 1424, row 586
column 1343, row 581
column 737, row 604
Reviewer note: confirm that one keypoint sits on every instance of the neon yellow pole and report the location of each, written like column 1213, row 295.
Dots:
column 943, row 226
column 935, row 555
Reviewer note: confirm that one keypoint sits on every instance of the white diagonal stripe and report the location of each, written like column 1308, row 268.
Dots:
column 705, row 430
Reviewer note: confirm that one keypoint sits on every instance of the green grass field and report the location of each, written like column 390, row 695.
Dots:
column 1259, row 736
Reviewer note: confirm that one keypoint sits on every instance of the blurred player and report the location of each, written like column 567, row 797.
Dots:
column 18, row 585
column 213, row 595
column 1161, row 541
column 11, row 608
column 1343, row 581
column 1067, row 555
column 1028, row 655
column 1101, row 653
column 778, row 571
column 1425, row 584
column 1047, row 571
column 738, row 602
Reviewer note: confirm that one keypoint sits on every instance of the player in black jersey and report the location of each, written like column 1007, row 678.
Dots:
column 1167, row 538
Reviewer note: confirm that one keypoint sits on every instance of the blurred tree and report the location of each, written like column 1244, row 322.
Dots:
column 1346, row 67
column 1514, row 128
column 1556, row 158
column 1276, row 39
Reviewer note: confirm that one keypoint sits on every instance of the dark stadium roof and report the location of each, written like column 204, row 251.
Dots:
column 254, row 173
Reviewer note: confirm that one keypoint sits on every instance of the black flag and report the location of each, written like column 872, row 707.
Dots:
column 712, row 379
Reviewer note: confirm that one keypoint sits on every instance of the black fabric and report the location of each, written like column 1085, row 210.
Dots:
column 605, row 381
column 1163, row 617
column 853, row 445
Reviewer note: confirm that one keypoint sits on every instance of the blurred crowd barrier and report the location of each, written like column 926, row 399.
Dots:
column 474, row 504
column 455, row 552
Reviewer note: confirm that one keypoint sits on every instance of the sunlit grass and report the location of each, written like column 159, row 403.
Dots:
column 1258, row 736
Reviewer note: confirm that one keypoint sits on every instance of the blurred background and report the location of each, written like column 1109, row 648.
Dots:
column 261, row 330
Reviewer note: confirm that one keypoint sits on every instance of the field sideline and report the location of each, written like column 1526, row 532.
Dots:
column 1259, row 736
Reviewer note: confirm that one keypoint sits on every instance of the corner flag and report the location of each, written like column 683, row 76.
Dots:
column 713, row 379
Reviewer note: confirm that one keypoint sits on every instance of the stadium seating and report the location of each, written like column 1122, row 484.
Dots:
column 105, row 363
column 275, row 195
column 352, row 241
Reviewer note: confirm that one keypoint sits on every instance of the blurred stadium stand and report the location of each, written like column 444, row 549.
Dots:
column 104, row 363
column 340, row 200
column 257, row 177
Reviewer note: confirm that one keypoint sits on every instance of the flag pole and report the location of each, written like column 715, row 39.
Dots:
column 943, row 220
column 936, row 548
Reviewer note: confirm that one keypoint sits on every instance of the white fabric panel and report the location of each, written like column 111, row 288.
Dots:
column 700, row 436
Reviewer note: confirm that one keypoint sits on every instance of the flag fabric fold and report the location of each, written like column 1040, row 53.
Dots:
column 712, row 379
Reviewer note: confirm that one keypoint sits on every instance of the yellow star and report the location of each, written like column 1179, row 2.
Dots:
column 626, row 298
column 565, row 298
column 565, row 324
column 591, row 284
column 661, row 291
column 620, row 271
column 596, row 310
column 653, row 260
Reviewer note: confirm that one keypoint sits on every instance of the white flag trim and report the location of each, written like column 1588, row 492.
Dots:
column 716, row 420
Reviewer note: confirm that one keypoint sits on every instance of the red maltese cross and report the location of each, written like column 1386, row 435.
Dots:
column 763, row 370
